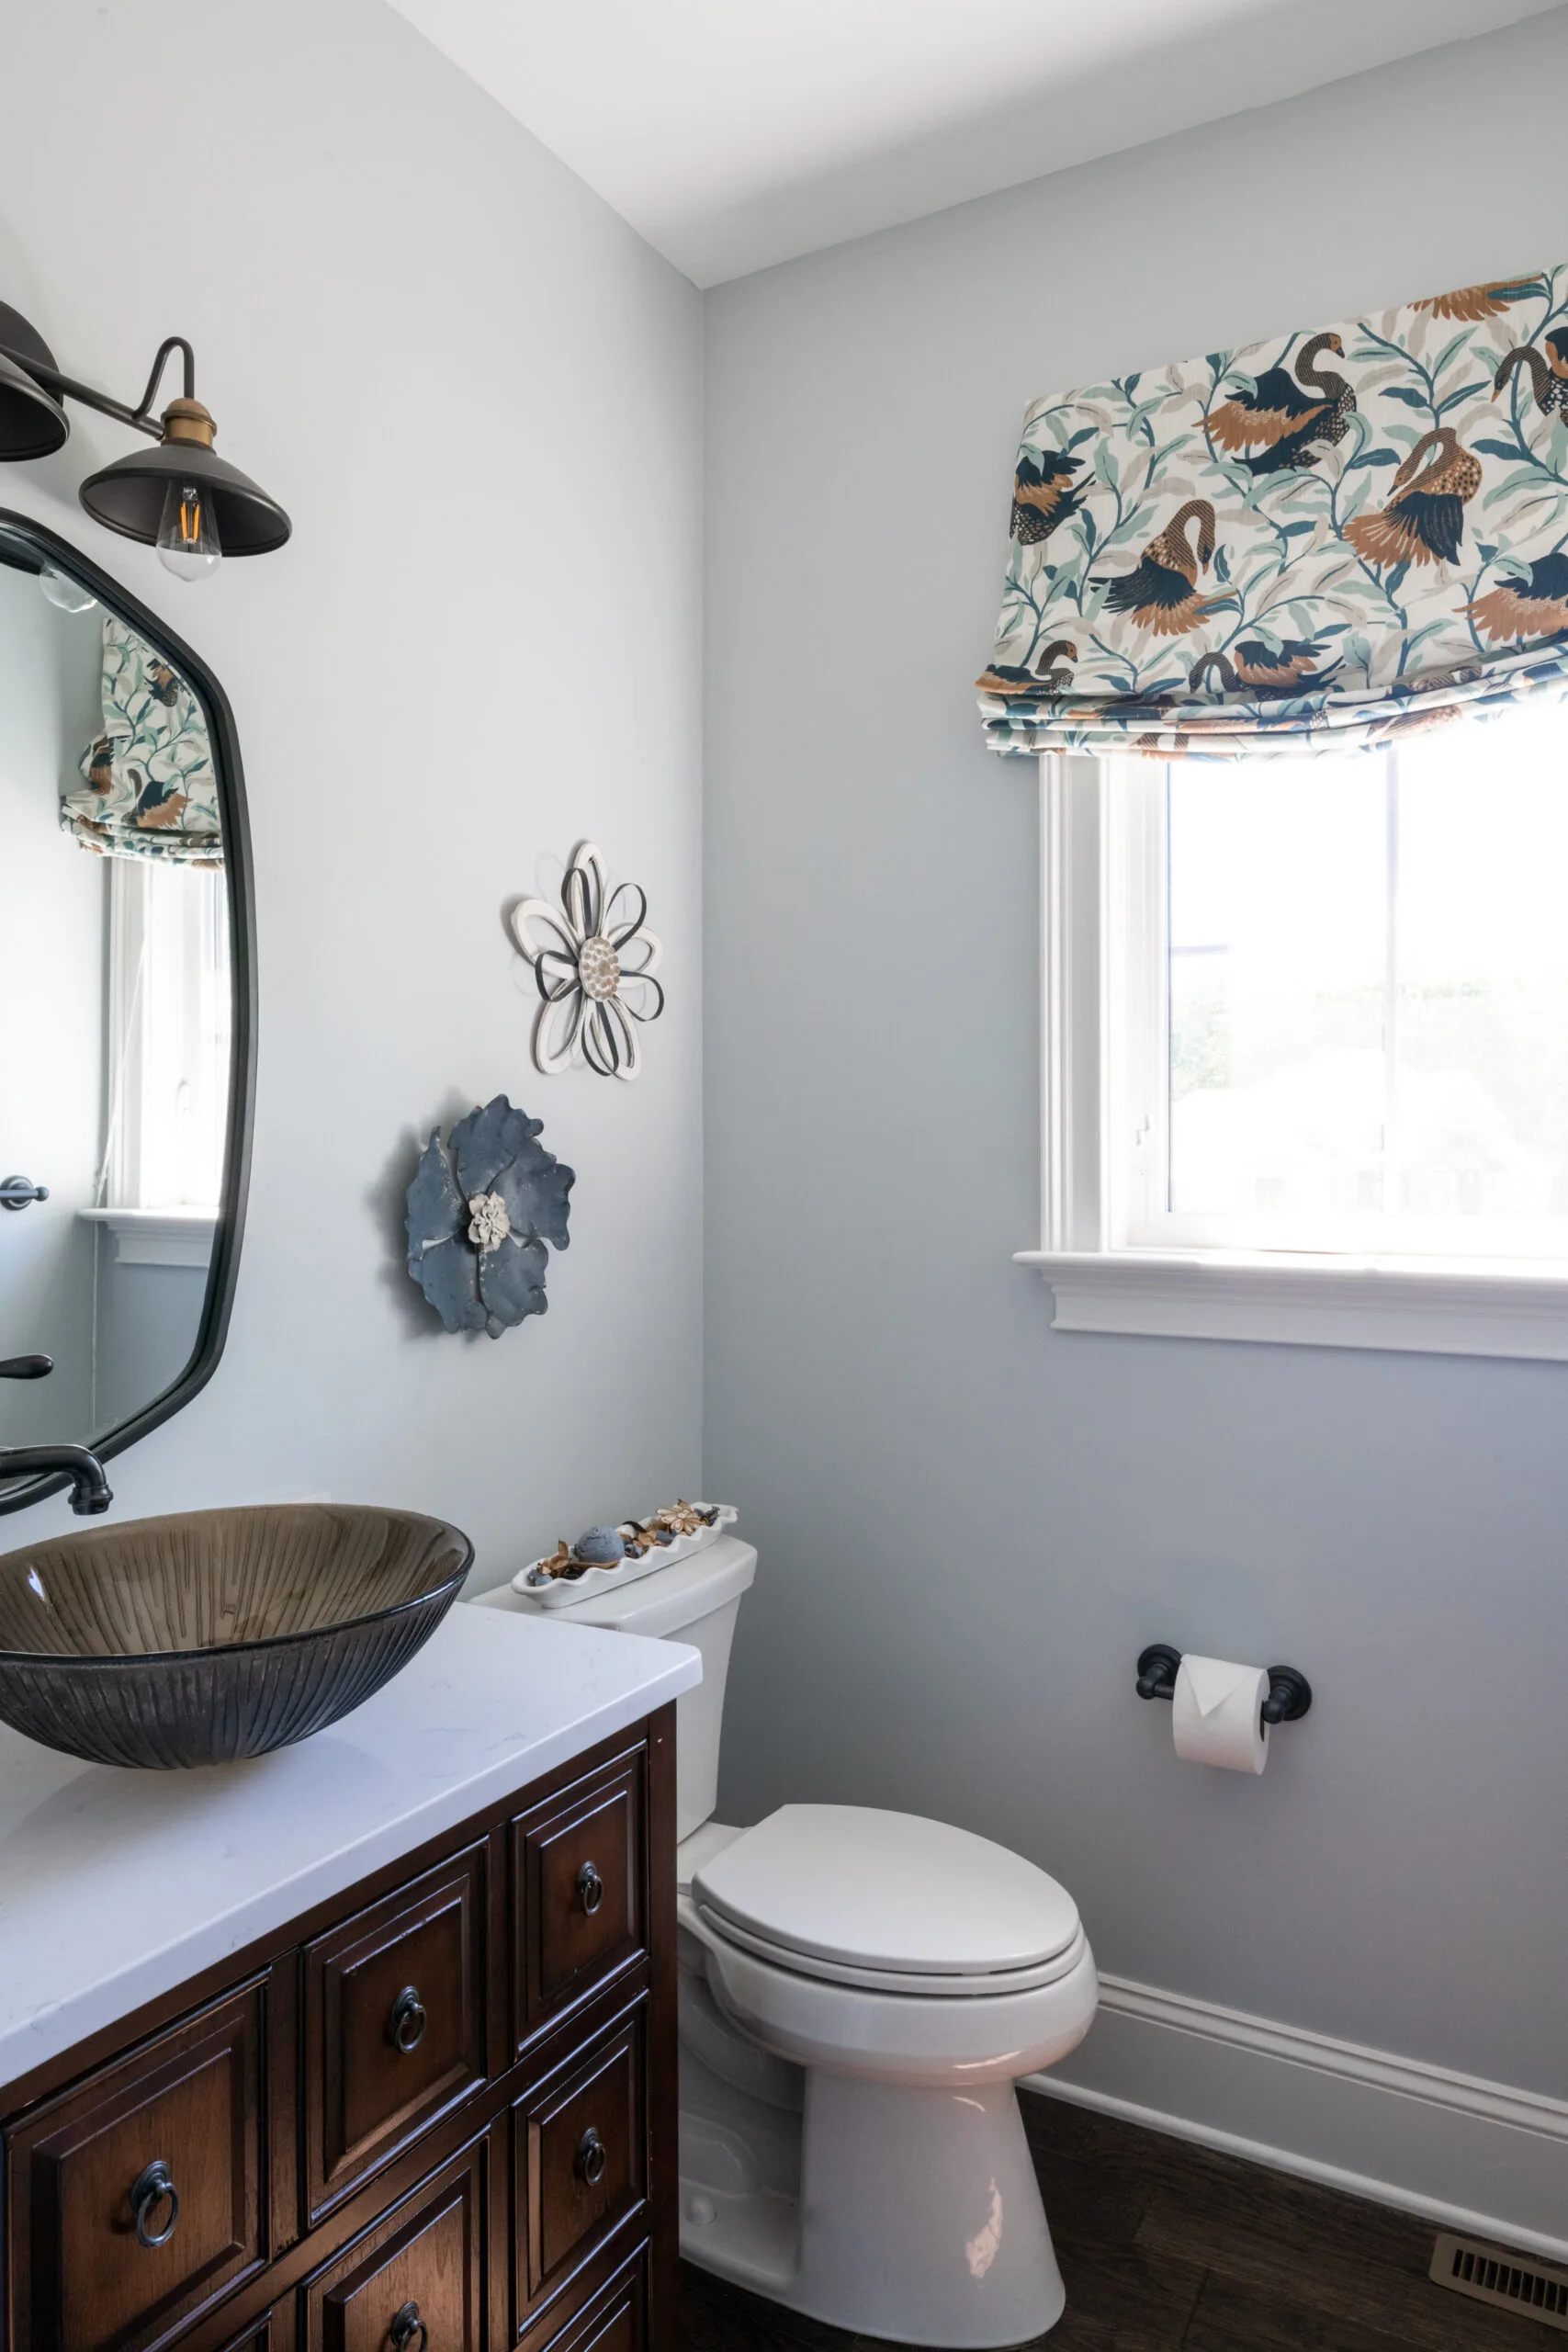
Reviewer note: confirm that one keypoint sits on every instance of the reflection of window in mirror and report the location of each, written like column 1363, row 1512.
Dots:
column 169, row 1035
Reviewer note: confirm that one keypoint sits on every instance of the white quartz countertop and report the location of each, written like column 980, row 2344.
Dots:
column 117, row 1886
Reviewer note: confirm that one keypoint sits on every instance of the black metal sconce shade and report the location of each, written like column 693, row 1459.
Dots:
column 33, row 424
column 127, row 497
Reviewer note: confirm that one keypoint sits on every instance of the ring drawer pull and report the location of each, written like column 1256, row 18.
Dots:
column 149, row 2190
column 406, row 2025
column 591, row 2160
column 590, row 1888
column 407, row 2324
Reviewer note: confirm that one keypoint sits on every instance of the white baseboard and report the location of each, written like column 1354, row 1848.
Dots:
column 1471, row 2156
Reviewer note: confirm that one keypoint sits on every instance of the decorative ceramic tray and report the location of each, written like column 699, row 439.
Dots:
column 565, row 1592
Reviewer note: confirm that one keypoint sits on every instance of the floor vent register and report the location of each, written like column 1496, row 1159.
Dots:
column 1534, row 2291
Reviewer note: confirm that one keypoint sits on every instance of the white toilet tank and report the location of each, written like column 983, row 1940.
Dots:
column 694, row 1601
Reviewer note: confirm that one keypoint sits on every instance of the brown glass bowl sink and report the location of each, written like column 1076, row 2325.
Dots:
column 214, row 1635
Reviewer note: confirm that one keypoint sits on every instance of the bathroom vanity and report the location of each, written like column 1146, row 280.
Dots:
column 369, row 2042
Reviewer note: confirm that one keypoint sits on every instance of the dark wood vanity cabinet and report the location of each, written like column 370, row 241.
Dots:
column 436, row 2115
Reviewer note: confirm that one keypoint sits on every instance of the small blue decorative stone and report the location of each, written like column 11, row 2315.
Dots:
column 602, row 1545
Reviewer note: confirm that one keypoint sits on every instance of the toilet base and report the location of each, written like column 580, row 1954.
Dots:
column 887, row 2208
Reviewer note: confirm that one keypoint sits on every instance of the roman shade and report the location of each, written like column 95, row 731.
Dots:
column 1312, row 544
column 148, row 788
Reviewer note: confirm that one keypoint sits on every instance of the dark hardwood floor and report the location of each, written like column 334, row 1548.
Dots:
column 1165, row 2247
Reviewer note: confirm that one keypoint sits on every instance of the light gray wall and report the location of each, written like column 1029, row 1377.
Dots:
column 479, row 394
column 53, row 903
column 149, row 1318
column 969, row 1525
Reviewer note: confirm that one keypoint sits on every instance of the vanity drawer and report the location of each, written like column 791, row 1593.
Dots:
column 394, row 2023
column 579, row 2162
column 579, row 1874
column 421, row 2267
column 136, row 2200
column 614, row 2319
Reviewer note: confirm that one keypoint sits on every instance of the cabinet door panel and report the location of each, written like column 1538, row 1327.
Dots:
column 580, row 1904
column 135, row 2199
column 421, row 2267
column 394, row 2023
column 579, row 2162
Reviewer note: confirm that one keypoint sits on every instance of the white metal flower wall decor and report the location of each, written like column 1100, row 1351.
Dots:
column 594, row 958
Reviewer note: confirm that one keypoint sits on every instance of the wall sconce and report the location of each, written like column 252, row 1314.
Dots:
column 181, row 498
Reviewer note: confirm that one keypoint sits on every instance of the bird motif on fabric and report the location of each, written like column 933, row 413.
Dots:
column 1160, row 592
column 1013, row 683
column 1426, row 523
column 1473, row 304
column 1537, row 606
column 1547, row 371
column 100, row 766
column 1043, row 495
column 1273, row 427
column 161, row 805
column 1262, row 671
column 163, row 685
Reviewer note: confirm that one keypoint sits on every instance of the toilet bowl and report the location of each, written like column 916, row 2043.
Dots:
column 860, row 1991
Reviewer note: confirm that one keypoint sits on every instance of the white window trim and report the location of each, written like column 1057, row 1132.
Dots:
column 158, row 1237
column 1272, row 1296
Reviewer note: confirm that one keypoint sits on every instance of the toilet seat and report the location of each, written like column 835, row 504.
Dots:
column 920, row 2037
column 929, row 1986
column 888, row 1902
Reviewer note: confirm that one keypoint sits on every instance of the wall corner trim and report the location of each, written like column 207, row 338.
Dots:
column 1466, row 2153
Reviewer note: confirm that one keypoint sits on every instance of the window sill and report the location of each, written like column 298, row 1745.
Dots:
column 158, row 1237
column 1417, row 1308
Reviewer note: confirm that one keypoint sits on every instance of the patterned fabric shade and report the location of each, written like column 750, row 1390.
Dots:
column 1311, row 545
column 150, row 788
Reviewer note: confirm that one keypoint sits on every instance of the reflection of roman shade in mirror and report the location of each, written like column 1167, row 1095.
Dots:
column 148, row 786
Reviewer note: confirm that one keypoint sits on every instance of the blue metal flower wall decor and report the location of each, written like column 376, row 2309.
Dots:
column 481, row 1211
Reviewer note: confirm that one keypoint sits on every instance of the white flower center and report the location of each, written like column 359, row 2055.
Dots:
column 599, row 969
column 489, row 1221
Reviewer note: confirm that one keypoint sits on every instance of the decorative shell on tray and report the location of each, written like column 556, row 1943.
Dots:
column 575, row 1572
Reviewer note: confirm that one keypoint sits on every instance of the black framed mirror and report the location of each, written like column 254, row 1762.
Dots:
column 128, row 979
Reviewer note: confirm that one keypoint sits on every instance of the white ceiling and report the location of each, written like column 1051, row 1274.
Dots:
column 735, row 133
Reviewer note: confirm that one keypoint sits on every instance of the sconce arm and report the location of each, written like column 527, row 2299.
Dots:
column 141, row 417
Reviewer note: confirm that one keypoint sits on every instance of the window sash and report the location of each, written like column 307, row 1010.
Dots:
column 1106, row 1054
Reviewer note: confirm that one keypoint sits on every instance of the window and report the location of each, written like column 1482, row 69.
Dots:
column 169, row 1002
column 1307, row 1043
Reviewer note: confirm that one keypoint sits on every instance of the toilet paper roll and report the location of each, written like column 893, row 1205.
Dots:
column 1216, row 1714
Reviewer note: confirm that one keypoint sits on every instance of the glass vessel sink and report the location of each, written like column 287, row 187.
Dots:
column 213, row 1635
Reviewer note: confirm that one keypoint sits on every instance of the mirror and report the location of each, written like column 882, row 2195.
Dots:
column 126, row 976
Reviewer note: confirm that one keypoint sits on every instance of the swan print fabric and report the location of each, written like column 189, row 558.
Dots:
column 1309, row 544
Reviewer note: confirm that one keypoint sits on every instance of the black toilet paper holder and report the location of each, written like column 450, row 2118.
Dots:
column 1289, row 1692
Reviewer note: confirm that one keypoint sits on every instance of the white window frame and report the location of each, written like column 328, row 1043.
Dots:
column 1092, row 939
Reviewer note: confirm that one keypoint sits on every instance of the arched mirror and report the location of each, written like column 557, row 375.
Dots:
column 126, row 978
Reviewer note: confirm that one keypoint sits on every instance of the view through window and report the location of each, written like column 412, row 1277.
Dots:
column 1366, row 998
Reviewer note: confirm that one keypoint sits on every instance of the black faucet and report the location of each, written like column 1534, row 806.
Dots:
column 89, row 1488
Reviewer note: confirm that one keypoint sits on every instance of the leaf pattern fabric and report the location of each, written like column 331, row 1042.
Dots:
column 149, row 787
column 1313, row 544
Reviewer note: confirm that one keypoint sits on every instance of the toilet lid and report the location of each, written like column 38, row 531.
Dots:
column 886, row 1891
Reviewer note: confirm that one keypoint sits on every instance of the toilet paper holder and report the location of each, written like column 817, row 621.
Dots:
column 1289, row 1692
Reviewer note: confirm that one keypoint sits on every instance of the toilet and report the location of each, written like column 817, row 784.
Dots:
column 860, row 1991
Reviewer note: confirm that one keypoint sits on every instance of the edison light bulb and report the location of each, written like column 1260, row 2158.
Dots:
column 188, row 536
